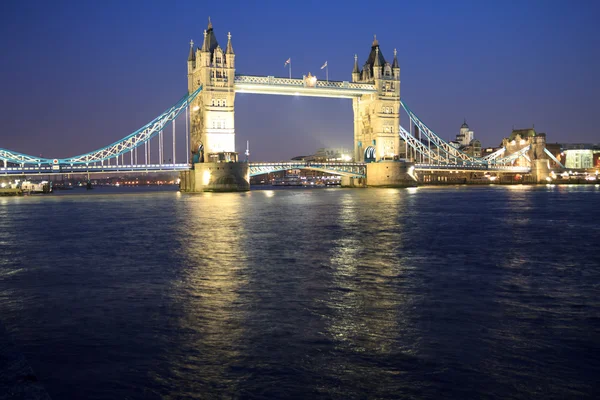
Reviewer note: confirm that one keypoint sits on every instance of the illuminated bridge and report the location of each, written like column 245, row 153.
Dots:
column 132, row 153
column 208, row 111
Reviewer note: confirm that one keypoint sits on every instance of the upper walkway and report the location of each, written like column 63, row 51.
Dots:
column 309, row 86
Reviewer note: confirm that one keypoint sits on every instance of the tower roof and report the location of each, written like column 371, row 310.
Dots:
column 210, row 40
column 375, row 53
column 464, row 125
column 395, row 63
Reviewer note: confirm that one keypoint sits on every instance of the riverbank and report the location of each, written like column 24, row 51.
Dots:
column 11, row 192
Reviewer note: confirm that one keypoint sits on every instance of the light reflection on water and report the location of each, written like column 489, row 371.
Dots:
column 463, row 292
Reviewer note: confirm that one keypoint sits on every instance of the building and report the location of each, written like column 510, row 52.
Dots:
column 528, row 142
column 581, row 158
column 466, row 142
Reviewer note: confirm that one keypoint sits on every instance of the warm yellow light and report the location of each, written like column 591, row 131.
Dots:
column 196, row 108
column 206, row 177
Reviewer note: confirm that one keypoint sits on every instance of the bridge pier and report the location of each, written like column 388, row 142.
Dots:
column 350, row 182
column 540, row 171
column 216, row 177
column 391, row 174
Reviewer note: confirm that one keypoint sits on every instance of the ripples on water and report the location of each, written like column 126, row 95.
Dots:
column 468, row 292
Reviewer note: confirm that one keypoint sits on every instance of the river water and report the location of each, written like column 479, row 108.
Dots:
column 440, row 292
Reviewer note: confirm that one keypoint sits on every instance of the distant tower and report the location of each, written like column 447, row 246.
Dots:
column 377, row 116
column 465, row 135
column 212, row 129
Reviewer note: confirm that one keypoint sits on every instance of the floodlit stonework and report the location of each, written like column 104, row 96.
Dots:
column 212, row 123
column 377, row 116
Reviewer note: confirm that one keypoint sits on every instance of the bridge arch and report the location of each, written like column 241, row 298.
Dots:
column 370, row 154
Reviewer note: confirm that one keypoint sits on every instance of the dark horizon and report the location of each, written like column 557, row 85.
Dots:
column 77, row 77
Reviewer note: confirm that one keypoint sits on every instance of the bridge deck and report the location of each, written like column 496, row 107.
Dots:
column 348, row 169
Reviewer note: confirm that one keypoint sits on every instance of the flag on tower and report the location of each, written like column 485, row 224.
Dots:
column 289, row 60
column 324, row 65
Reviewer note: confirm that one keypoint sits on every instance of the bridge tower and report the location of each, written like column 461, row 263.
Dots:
column 212, row 123
column 377, row 116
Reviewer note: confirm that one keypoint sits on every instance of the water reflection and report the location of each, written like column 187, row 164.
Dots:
column 213, row 275
column 367, row 302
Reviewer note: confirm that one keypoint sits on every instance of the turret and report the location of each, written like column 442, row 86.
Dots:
column 204, row 51
column 229, row 54
column 191, row 58
column 396, row 66
column 377, row 65
column 355, row 71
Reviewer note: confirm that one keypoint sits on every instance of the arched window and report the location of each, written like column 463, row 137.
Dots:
column 224, row 103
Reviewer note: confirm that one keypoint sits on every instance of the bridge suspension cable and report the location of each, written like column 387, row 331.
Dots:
column 450, row 151
column 127, row 144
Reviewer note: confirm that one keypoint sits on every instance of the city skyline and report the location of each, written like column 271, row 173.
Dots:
column 81, row 76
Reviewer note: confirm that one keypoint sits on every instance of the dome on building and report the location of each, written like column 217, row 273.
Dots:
column 523, row 133
column 464, row 125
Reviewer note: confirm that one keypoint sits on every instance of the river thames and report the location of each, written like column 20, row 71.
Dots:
column 433, row 292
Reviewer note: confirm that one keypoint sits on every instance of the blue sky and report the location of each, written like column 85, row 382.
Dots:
column 78, row 75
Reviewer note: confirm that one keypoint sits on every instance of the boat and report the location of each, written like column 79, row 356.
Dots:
column 33, row 187
column 288, row 180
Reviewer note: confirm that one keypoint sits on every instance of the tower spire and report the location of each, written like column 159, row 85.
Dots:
column 209, row 24
column 192, row 56
column 355, row 70
column 375, row 42
column 395, row 62
column 229, row 46
column 376, row 63
column 205, row 46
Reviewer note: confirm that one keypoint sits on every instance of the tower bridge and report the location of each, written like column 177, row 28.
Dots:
column 385, row 153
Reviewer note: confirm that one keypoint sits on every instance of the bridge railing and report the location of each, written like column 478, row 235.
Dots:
column 348, row 169
column 274, row 81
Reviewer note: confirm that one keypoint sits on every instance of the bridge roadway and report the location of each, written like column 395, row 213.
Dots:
column 342, row 168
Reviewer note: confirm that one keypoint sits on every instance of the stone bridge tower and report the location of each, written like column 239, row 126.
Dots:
column 377, row 116
column 212, row 126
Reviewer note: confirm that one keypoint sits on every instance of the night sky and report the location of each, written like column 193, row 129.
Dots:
column 79, row 75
